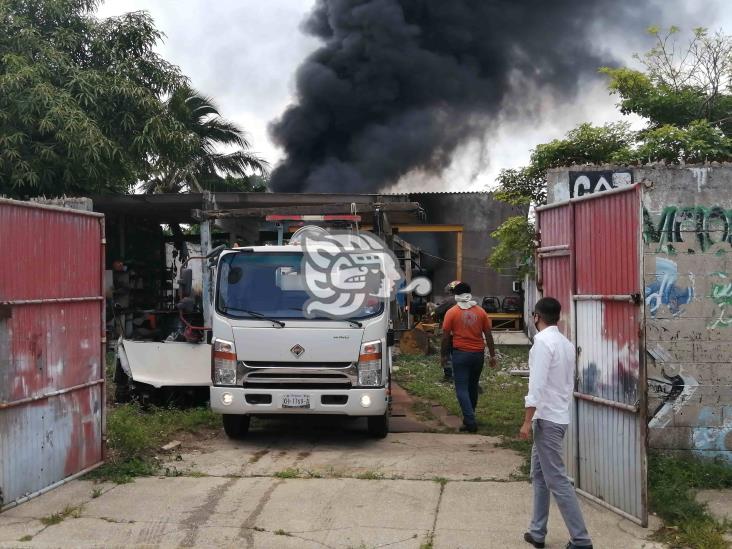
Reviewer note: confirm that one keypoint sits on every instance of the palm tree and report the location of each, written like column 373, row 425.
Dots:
column 204, row 165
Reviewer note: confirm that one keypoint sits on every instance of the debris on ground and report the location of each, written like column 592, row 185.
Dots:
column 172, row 445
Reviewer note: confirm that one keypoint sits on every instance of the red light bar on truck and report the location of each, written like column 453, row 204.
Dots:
column 313, row 218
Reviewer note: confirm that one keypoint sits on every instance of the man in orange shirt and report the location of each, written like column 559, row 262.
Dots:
column 463, row 331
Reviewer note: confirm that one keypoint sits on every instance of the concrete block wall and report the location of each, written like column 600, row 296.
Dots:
column 687, row 272
column 687, row 285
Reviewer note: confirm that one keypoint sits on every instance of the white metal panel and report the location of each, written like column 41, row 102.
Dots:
column 168, row 363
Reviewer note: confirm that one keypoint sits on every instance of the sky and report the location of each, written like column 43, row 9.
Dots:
column 244, row 53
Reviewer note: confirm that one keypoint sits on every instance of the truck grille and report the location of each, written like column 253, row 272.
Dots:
column 302, row 375
column 297, row 364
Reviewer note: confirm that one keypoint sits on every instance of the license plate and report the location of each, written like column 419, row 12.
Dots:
column 296, row 401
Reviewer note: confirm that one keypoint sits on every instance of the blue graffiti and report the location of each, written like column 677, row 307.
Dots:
column 709, row 438
column 664, row 291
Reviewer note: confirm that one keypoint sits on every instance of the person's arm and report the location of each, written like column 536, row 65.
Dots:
column 446, row 344
column 445, row 347
column 525, row 431
column 491, row 348
column 539, row 361
column 488, row 333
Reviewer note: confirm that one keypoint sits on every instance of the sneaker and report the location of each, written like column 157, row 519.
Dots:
column 532, row 541
column 468, row 428
column 571, row 545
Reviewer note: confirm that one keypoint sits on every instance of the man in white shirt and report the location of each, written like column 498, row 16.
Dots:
column 551, row 383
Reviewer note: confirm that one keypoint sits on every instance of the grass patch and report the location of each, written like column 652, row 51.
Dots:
column 423, row 410
column 672, row 487
column 501, row 406
column 27, row 537
column 57, row 518
column 282, row 532
column 288, row 473
column 134, row 435
column 440, row 480
column 370, row 475
column 121, row 471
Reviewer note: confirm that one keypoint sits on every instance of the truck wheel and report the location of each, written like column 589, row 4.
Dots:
column 378, row 426
column 122, row 386
column 235, row 425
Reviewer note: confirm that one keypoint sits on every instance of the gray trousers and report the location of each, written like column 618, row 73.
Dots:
column 549, row 476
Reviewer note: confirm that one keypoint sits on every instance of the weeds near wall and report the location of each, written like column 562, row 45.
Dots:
column 134, row 434
column 672, row 486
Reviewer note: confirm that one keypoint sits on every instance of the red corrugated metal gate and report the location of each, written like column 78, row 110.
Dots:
column 51, row 346
column 589, row 259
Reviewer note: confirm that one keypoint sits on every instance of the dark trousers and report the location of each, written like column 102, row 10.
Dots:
column 447, row 370
column 467, row 367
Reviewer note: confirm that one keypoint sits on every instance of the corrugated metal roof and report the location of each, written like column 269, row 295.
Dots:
column 436, row 192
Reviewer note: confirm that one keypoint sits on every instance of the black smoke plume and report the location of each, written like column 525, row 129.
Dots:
column 399, row 84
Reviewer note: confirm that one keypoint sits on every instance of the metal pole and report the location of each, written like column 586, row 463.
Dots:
column 459, row 244
column 207, row 292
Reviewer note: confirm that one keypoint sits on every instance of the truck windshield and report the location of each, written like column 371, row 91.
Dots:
column 252, row 285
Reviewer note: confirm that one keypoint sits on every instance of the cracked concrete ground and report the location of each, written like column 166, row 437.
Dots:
column 303, row 489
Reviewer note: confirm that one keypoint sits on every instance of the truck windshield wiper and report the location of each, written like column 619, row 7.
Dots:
column 256, row 314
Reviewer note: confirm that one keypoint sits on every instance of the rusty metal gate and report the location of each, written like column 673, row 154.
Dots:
column 589, row 259
column 51, row 347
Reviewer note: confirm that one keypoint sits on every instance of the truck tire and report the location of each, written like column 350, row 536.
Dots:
column 378, row 426
column 235, row 425
column 122, row 386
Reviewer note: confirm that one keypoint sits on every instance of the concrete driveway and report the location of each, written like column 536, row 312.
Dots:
column 304, row 487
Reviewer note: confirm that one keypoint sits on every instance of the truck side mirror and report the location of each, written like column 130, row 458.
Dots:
column 185, row 282
column 214, row 254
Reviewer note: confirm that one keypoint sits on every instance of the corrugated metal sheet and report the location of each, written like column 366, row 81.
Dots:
column 600, row 285
column 51, row 346
column 531, row 296
column 555, row 279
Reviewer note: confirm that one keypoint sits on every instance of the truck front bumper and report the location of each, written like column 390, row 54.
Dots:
column 347, row 402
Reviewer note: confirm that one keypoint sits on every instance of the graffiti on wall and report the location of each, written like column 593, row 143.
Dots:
column 722, row 296
column 673, row 392
column 591, row 182
column 709, row 225
column 664, row 291
column 712, row 436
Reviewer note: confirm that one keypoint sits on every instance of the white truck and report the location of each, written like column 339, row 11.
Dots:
column 270, row 357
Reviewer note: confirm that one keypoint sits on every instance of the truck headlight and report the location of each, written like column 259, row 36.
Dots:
column 223, row 368
column 369, row 364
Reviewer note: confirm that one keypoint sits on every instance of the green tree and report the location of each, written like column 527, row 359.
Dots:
column 205, row 166
column 680, row 84
column 685, row 94
column 80, row 99
column 586, row 144
column 515, row 239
